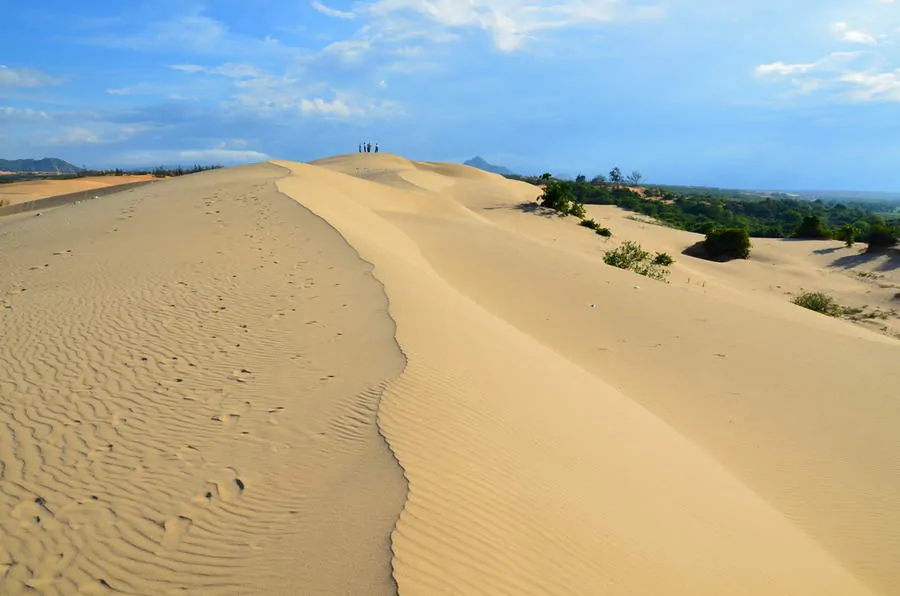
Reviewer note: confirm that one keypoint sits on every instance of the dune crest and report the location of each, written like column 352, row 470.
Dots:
column 189, row 378
column 529, row 473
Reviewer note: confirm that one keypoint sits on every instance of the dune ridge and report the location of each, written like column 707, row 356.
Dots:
column 189, row 378
column 528, row 473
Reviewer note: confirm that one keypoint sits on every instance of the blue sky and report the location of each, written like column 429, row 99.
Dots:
column 763, row 94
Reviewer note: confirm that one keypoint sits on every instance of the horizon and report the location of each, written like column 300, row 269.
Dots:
column 732, row 96
column 890, row 196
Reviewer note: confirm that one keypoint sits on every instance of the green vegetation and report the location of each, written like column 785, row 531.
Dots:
column 727, row 243
column 663, row 258
column 158, row 172
column 632, row 257
column 847, row 234
column 819, row 302
column 812, row 228
column 702, row 210
column 882, row 236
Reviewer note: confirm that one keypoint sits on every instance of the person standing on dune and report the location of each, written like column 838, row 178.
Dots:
column 376, row 147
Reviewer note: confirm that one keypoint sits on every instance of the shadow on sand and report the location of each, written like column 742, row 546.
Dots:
column 892, row 262
column 532, row 207
column 698, row 251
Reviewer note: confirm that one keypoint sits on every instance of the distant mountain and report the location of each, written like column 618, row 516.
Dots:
column 48, row 164
column 477, row 162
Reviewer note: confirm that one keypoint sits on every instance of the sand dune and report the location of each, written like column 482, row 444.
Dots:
column 754, row 409
column 188, row 384
column 20, row 192
column 553, row 425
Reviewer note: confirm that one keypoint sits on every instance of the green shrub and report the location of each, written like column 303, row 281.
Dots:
column 881, row 236
column 731, row 243
column 605, row 232
column 577, row 209
column 812, row 228
column 558, row 196
column 818, row 302
column 632, row 257
column 663, row 258
column 589, row 223
column 847, row 234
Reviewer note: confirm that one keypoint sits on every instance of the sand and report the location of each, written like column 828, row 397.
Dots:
column 494, row 411
column 188, row 383
column 21, row 192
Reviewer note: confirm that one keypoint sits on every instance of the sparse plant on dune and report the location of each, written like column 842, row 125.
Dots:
column 663, row 258
column 819, row 302
column 589, row 223
column 632, row 257
column 577, row 209
column 605, row 232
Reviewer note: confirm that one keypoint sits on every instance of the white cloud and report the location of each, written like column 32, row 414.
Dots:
column 842, row 32
column 191, row 156
column 231, row 70
column 780, row 68
column 842, row 73
column 331, row 11
column 9, row 114
column 231, row 143
column 227, row 156
column 867, row 87
column 76, row 135
column 509, row 23
column 193, row 34
column 187, row 67
column 24, row 77
column 321, row 107
column 348, row 51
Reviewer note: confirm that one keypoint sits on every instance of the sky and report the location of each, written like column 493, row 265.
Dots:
column 768, row 94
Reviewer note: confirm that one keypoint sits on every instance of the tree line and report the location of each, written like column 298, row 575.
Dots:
column 761, row 217
column 157, row 172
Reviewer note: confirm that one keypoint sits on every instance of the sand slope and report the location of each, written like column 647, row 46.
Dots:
column 20, row 192
column 668, row 441
column 205, row 389
column 188, row 380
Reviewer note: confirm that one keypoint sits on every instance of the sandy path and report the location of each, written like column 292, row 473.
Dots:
column 528, row 472
column 189, row 374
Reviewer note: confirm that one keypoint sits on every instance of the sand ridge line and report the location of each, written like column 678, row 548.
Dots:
column 188, row 397
column 498, row 500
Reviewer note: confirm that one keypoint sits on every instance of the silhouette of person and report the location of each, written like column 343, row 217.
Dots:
column 376, row 147
column 368, row 147
column 360, row 147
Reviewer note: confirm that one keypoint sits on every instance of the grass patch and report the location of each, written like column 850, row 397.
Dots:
column 819, row 302
column 632, row 257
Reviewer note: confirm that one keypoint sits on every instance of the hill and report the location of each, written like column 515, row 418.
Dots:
column 478, row 162
column 47, row 164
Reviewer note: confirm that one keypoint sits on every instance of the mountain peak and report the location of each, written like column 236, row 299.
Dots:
column 47, row 164
column 481, row 164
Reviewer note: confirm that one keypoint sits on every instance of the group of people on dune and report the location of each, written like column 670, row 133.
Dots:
column 367, row 147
